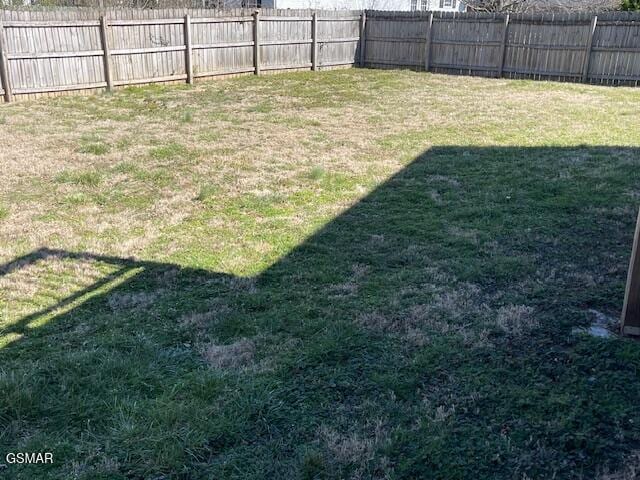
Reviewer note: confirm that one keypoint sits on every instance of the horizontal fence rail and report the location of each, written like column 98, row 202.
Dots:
column 573, row 47
column 53, row 51
column 47, row 52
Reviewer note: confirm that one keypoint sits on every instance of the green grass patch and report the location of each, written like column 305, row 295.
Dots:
column 170, row 151
column 159, row 177
column 210, row 136
column 187, row 117
column 207, row 191
column 263, row 107
column 81, row 178
column 126, row 167
column 316, row 173
column 94, row 148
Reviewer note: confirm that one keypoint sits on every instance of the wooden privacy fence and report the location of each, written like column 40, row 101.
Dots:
column 54, row 51
column 572, row 47
column 48, row 54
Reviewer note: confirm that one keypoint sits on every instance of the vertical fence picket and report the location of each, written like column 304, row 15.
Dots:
column 587, row 50
column 427, row 43
column 503, row 47
column 314, row 41
column 256, row 42
column 363, row 38
column 106, row 54
column 188, row 60
column 4, row 67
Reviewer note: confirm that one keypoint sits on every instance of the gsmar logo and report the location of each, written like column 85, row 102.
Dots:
column 28, row 457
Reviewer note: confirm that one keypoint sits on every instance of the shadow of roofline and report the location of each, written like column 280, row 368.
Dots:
column 454, row 153
column 403, row 291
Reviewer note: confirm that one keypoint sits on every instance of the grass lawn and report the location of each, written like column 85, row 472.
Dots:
column 348, row 274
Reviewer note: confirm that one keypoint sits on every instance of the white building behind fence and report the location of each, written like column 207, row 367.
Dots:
column 396, row 5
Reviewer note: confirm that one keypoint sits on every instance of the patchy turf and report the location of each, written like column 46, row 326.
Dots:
column 348, row 274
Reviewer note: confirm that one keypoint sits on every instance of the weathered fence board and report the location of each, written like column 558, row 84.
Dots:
column 83, row 49
column 572, row 47
column 471, row 46
column 630, row 321
column 615, row 51
column 57, row 51
column 221, row 46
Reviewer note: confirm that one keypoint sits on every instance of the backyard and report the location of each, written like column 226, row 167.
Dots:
column 342, row 274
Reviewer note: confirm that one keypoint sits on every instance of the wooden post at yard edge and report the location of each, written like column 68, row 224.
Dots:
column 106, row 54
column 363, row 40
column 188, row 58
column 427, row 44
column 314, row 41
column 503, row 46
column 630, row 322
column 256, row 42
column 587, row 50
column 4, row 68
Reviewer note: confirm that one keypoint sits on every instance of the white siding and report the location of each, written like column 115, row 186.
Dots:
column 393, row 5
column 400, row 5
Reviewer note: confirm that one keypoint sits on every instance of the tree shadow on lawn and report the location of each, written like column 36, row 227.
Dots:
column 424, row 333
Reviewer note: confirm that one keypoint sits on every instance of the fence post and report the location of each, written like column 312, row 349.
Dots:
column 187, row 49
column 363, row 40
column 503, row 47
column 4, row 68
column 314, row 41
column 587, row 51
column 630, row 322
column 427, row 44
column 106, row 54
column 256, row 42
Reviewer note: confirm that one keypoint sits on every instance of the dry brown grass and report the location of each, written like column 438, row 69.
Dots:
column 455, row 308
column 516, row 319
column 350, row 286
column 128, row 301
column 357, row 448
column 630, row 471
column 38, row 283
column 239, row 354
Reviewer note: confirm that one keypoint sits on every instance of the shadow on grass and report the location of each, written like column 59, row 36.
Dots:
column 424, row 333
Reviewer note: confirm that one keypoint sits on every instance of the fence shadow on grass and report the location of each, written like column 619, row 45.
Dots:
column 425, row 331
